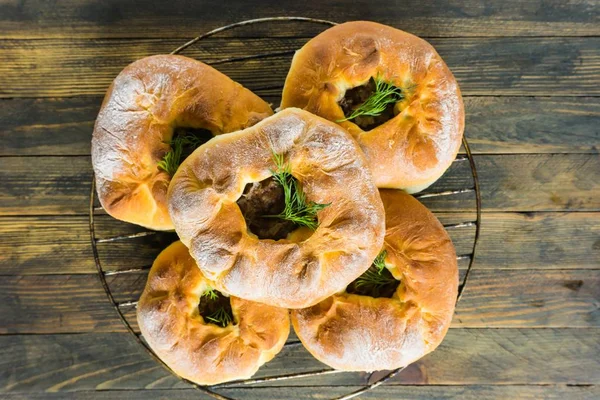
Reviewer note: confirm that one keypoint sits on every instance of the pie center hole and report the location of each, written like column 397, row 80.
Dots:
column 376, row 282
column 215, row 308
column 263, row 199
column 191, row 138
column 183, row 142
column 371, row 104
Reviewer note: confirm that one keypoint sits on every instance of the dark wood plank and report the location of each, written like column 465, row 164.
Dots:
column 483, row 66
column 63, row 126
column 544, row 182
column 56, row 303
column 103, row 361
column 524, row 66
column 61, row 245
column 533, row 124
column 95, row 18
column 57, row 245
column 41, row 245
column 532, row 182
column 538, row 182
column 45, row 185
column 470, row 392
column 503, row 356
column 75, row 362
column 539, row 240
column 493, row 298
column 530, row 298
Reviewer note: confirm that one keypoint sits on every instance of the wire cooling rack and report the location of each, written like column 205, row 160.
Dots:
column 123, row 308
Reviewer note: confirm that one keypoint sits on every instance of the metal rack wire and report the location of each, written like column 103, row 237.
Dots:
column 121, row 307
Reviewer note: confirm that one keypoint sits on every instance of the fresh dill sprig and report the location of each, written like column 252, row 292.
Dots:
column 189, row 140
column 297, row 208
column 376, row 278
column 172, row 158
column 379, row 261
column 385, row 93
column 211, row 293
column 220, row 317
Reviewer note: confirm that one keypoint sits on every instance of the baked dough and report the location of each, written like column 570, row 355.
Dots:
column 361, row 333
column 302, row 269
column 143, row 106
column 199, row 351
column 414, row 148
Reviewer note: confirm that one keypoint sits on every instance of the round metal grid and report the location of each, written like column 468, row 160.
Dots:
column 121, row 306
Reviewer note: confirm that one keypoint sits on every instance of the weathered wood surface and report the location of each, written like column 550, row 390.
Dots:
column 60, row 126
column 528, row 323
column 495, row 66
column 65, row 245
column 63, row 126
column 45, row 245
column 527, row 182
column 494, row 298
column 105, row 361
column 113, row 18
column 470, row 392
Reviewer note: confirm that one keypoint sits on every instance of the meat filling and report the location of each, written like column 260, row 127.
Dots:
column 355, row 97
column 374, row 284
column 265, row 198
column 216, row 309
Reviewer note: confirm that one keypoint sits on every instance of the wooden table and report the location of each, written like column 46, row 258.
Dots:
column 528, row 324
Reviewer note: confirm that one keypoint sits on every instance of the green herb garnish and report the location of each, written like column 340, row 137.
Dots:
column 297, row 208
column 385, row 93
column 211, row 293
column 217, row 307
column 220, row 317
column 375, row 279
column 379, row 262
column 172, row 158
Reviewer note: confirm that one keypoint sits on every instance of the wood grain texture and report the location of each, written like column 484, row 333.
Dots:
column 61, row 245
column 528, row 325
column 493, row 298
column 536, row 182
column 544, row 182
column 104, row 361
column 502, row 356
column 55, row 303
column 530, row 298
column 63, row 126
column 533, row 124
column 539, row 240
column 494, row 66
column 438, row 392
column 45, row 185
column 178, row 18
